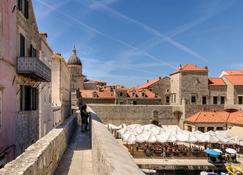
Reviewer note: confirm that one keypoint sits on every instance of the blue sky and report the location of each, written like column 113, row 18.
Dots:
column 129, row 41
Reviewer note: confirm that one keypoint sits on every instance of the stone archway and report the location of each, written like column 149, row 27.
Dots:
column 177, row 115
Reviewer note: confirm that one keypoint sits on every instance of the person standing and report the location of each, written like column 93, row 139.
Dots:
column 84, row 118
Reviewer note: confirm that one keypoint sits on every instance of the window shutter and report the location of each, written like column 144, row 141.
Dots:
column 20, row 5
column 22, row 46
column 26, row 9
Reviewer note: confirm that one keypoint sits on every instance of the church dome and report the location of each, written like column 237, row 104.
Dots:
column 74, row 59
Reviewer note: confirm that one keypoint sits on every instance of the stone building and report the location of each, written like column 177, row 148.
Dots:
column 7, row 80
column 77, row 79
column 214, row 121
column 217, row 91
column 189, row 83
column 61, row 94
column 31, row 72
column 234, row 89
column 94, row 84
column 45, row 90
column 121, row 96
column 160, row 86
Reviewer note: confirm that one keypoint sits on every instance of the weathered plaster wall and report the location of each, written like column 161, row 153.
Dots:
column 7, row 79
column 43, row 157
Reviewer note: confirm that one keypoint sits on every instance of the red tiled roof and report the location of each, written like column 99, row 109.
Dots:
column 148, row 83
column 216, row 81
column 236, row 80
column 208, row 117
column 233, row 72
column 100, row 94
column 190, row 68
column 217, row 117
column 138, row 93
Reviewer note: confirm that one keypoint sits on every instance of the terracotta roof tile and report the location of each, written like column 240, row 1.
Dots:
column 235, row 79
column 216, row 81
column 233, row 72
column 235, row 118
column 190, row 68
column 148, row 83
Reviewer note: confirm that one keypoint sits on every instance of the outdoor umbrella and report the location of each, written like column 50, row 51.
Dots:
column 151, row 138
column 217, row 150
column 192, row 138
column 231, row 151
column 212, row 152
column 131, row 139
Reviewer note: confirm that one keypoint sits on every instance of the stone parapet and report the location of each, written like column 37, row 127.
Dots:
column 108, row 156
column 43, row 157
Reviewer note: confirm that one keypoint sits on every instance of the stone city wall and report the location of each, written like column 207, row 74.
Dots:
column 108, row 156
column 43, row 157
column 140, row 114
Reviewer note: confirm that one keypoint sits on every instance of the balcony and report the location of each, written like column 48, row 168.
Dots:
column 33, row 68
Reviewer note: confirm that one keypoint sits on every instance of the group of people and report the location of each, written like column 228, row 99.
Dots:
column 84, row 118
column 168, row 150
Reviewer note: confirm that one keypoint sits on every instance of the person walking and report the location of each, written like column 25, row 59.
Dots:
column 84, row 118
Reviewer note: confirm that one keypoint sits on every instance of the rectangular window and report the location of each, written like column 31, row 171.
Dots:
column 222, row 100
column 32, row 51
column 201, row 129
column 193, row 99
column 26, row 9
column 210, row 129
column 204, row 100
column 22, row 46
column 215, row 100
column 23, row 6
column 240, row 100
column 167, row 99
column 1, row 107
column 189, row 128
column 219, row 128
column 28, row 98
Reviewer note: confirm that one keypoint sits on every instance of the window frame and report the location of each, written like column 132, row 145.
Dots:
column 204, row 98
column 192, row 97
column 240, row 99
column 28, row 98
column 222, row 102
column 22, row 46
column 215, row 98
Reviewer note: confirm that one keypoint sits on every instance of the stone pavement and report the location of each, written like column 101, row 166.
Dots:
column 77, row 159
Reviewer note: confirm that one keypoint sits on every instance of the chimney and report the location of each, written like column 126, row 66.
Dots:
column 160, row 78
column 206, row 67
column 43, row 35
column 58, row 54
column 147, row 81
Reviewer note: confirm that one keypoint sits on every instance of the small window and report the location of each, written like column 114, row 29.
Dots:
column 210, row 129
column 23, row 6
column 204, row 100
column 22, row 46
column 134, row 102
column 167, row 99
column 215, row 100
column 189, row 128
column 240, row 100
column 121, row 94
column 202, row 129
column 219, row 128
column 222, row 100
column 193, row 99
column 28, row 98
column 1, row 107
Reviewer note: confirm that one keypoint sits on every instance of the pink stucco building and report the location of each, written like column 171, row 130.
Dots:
column 7, row 80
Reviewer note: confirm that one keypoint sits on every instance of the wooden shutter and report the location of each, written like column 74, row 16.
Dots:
column 26, row 8
column 22, row 46
column 20, row 3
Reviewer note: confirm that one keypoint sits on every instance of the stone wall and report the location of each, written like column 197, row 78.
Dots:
column 140, row 114
column 27, row 130
column 108, row 156
column 43, row 156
